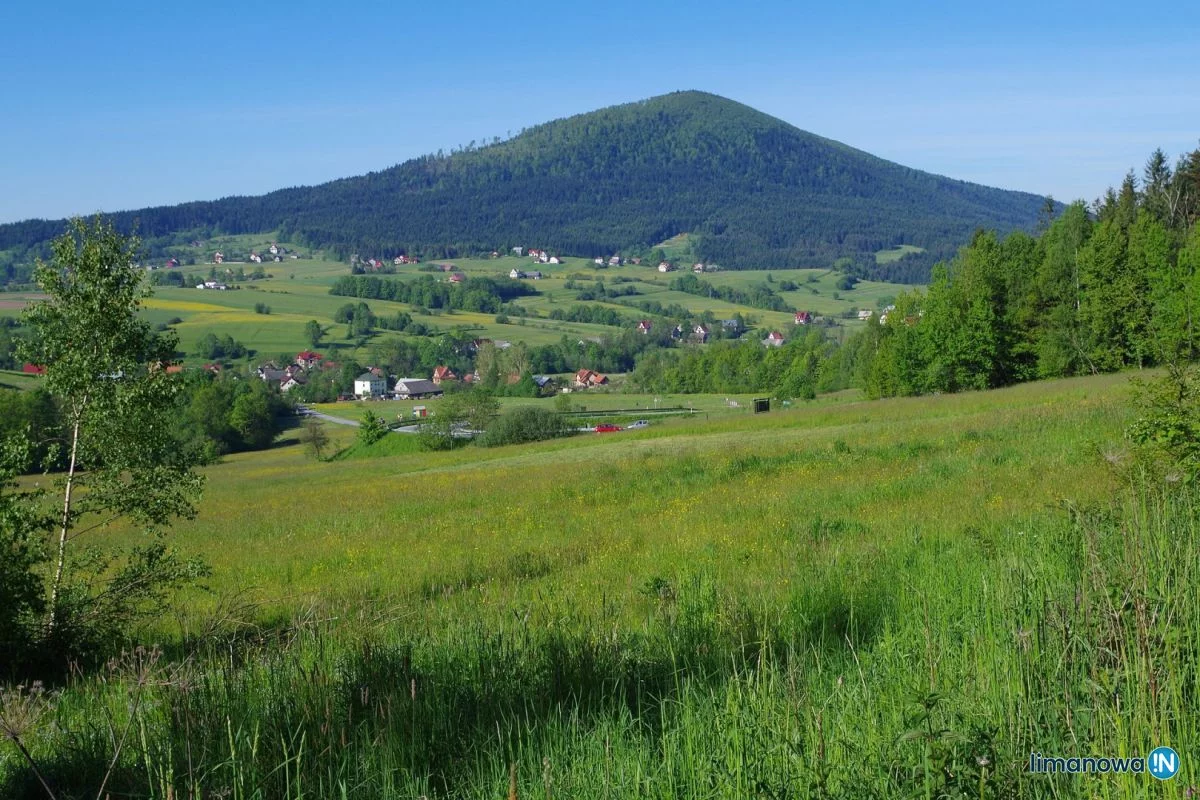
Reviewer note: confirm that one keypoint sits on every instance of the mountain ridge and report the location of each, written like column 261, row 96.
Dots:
column 753, row 190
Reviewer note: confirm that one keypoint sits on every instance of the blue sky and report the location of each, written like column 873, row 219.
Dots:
column 124, row 105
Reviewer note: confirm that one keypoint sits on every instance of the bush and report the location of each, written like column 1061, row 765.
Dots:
column 526, row 424
column 372, row 428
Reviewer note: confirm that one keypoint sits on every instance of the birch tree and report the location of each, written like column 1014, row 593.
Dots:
column 106, row 368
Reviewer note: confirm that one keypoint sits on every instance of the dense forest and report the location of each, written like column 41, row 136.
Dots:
column 1095, row 290
column 752, row 190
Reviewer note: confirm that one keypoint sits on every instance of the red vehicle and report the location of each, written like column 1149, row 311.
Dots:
column 607, row 428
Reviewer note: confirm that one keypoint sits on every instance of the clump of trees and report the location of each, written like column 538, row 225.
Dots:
column 526, row 424
column 1095, row 292
column 218, row 416
column 219, row 348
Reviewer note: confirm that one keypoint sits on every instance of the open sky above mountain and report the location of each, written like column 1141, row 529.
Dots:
column 167, row 103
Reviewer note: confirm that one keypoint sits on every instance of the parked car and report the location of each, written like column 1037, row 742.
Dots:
column 607, row 428
column 641, row 423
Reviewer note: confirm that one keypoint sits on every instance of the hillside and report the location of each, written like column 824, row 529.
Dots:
column 752, row 190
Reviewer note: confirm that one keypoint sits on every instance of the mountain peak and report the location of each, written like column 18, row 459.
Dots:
column 752, row 190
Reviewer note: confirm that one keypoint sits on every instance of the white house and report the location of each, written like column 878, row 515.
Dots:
column 774, row 339
column 864, row 313
column 369, row 385
column 516, row 274
column 665, row 267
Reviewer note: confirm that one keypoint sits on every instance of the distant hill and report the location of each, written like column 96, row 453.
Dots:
column 752, row 190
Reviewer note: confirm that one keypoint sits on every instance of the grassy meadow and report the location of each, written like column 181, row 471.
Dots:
column 850, row 599
column 297, row 290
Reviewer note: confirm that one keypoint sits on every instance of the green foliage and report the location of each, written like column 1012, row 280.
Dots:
column 1168, row 425
column 372, row 428
column 313, row 333
column 1084, row 297
column 104, row 368
column 757, row 297
column 526, row 424
column 216, row 348
column 23, row 521
column 262, row 308
column 486, row 295
column 225, row 416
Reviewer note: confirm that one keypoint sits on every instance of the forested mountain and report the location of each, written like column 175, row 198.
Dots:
column 754, row 191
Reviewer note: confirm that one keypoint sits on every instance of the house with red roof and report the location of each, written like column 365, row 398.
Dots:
column 804, row 317
column 308, row 359
column 443, row 374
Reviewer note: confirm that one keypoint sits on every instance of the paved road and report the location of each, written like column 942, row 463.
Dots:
column 305, row 411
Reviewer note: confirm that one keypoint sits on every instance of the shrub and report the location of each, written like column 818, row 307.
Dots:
column 526, row 424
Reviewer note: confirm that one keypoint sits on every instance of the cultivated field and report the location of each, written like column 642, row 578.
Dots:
column 900, row 598
column 298, row 291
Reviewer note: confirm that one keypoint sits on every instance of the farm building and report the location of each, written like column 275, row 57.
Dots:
column 413, row 388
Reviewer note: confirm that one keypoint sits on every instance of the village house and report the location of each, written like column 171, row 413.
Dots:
column 864, row 313
column 457, row 277
column 212, row 285
column 518, row 250
column 416, row 388
column 308, row 359
column 804, row 317
column 218, row 257
column 665, row 266
column 271, row 373
column 697, row 267
column 774, row 339
column 586, row 379
column 273, row 249
column 255, row 258
column 369, row 385
column 598, row 261
column 292, row 383
column 644, row 326
column 516, row 274
column 535, row 275
column 700, row 333
column 883, row 318
column 615, row 261
column 443, row 374
column 637, row 261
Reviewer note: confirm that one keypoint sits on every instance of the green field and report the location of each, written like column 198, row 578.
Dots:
column 896, row 253
column 298, row 291
column 896, row 598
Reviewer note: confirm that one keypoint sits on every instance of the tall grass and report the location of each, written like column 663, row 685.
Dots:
column 840, row 653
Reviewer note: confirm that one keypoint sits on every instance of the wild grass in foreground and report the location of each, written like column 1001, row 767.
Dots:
column 834, row 607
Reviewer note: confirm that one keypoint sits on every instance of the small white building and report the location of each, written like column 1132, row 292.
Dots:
column 369, row 385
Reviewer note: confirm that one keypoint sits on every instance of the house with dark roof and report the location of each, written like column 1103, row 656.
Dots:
column 415, row 388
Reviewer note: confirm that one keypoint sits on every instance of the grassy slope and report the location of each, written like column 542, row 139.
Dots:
column 729, row 607
column 299, row 291
column 937, row 465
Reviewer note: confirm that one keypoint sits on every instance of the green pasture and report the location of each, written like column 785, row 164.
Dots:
column 893, row 599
